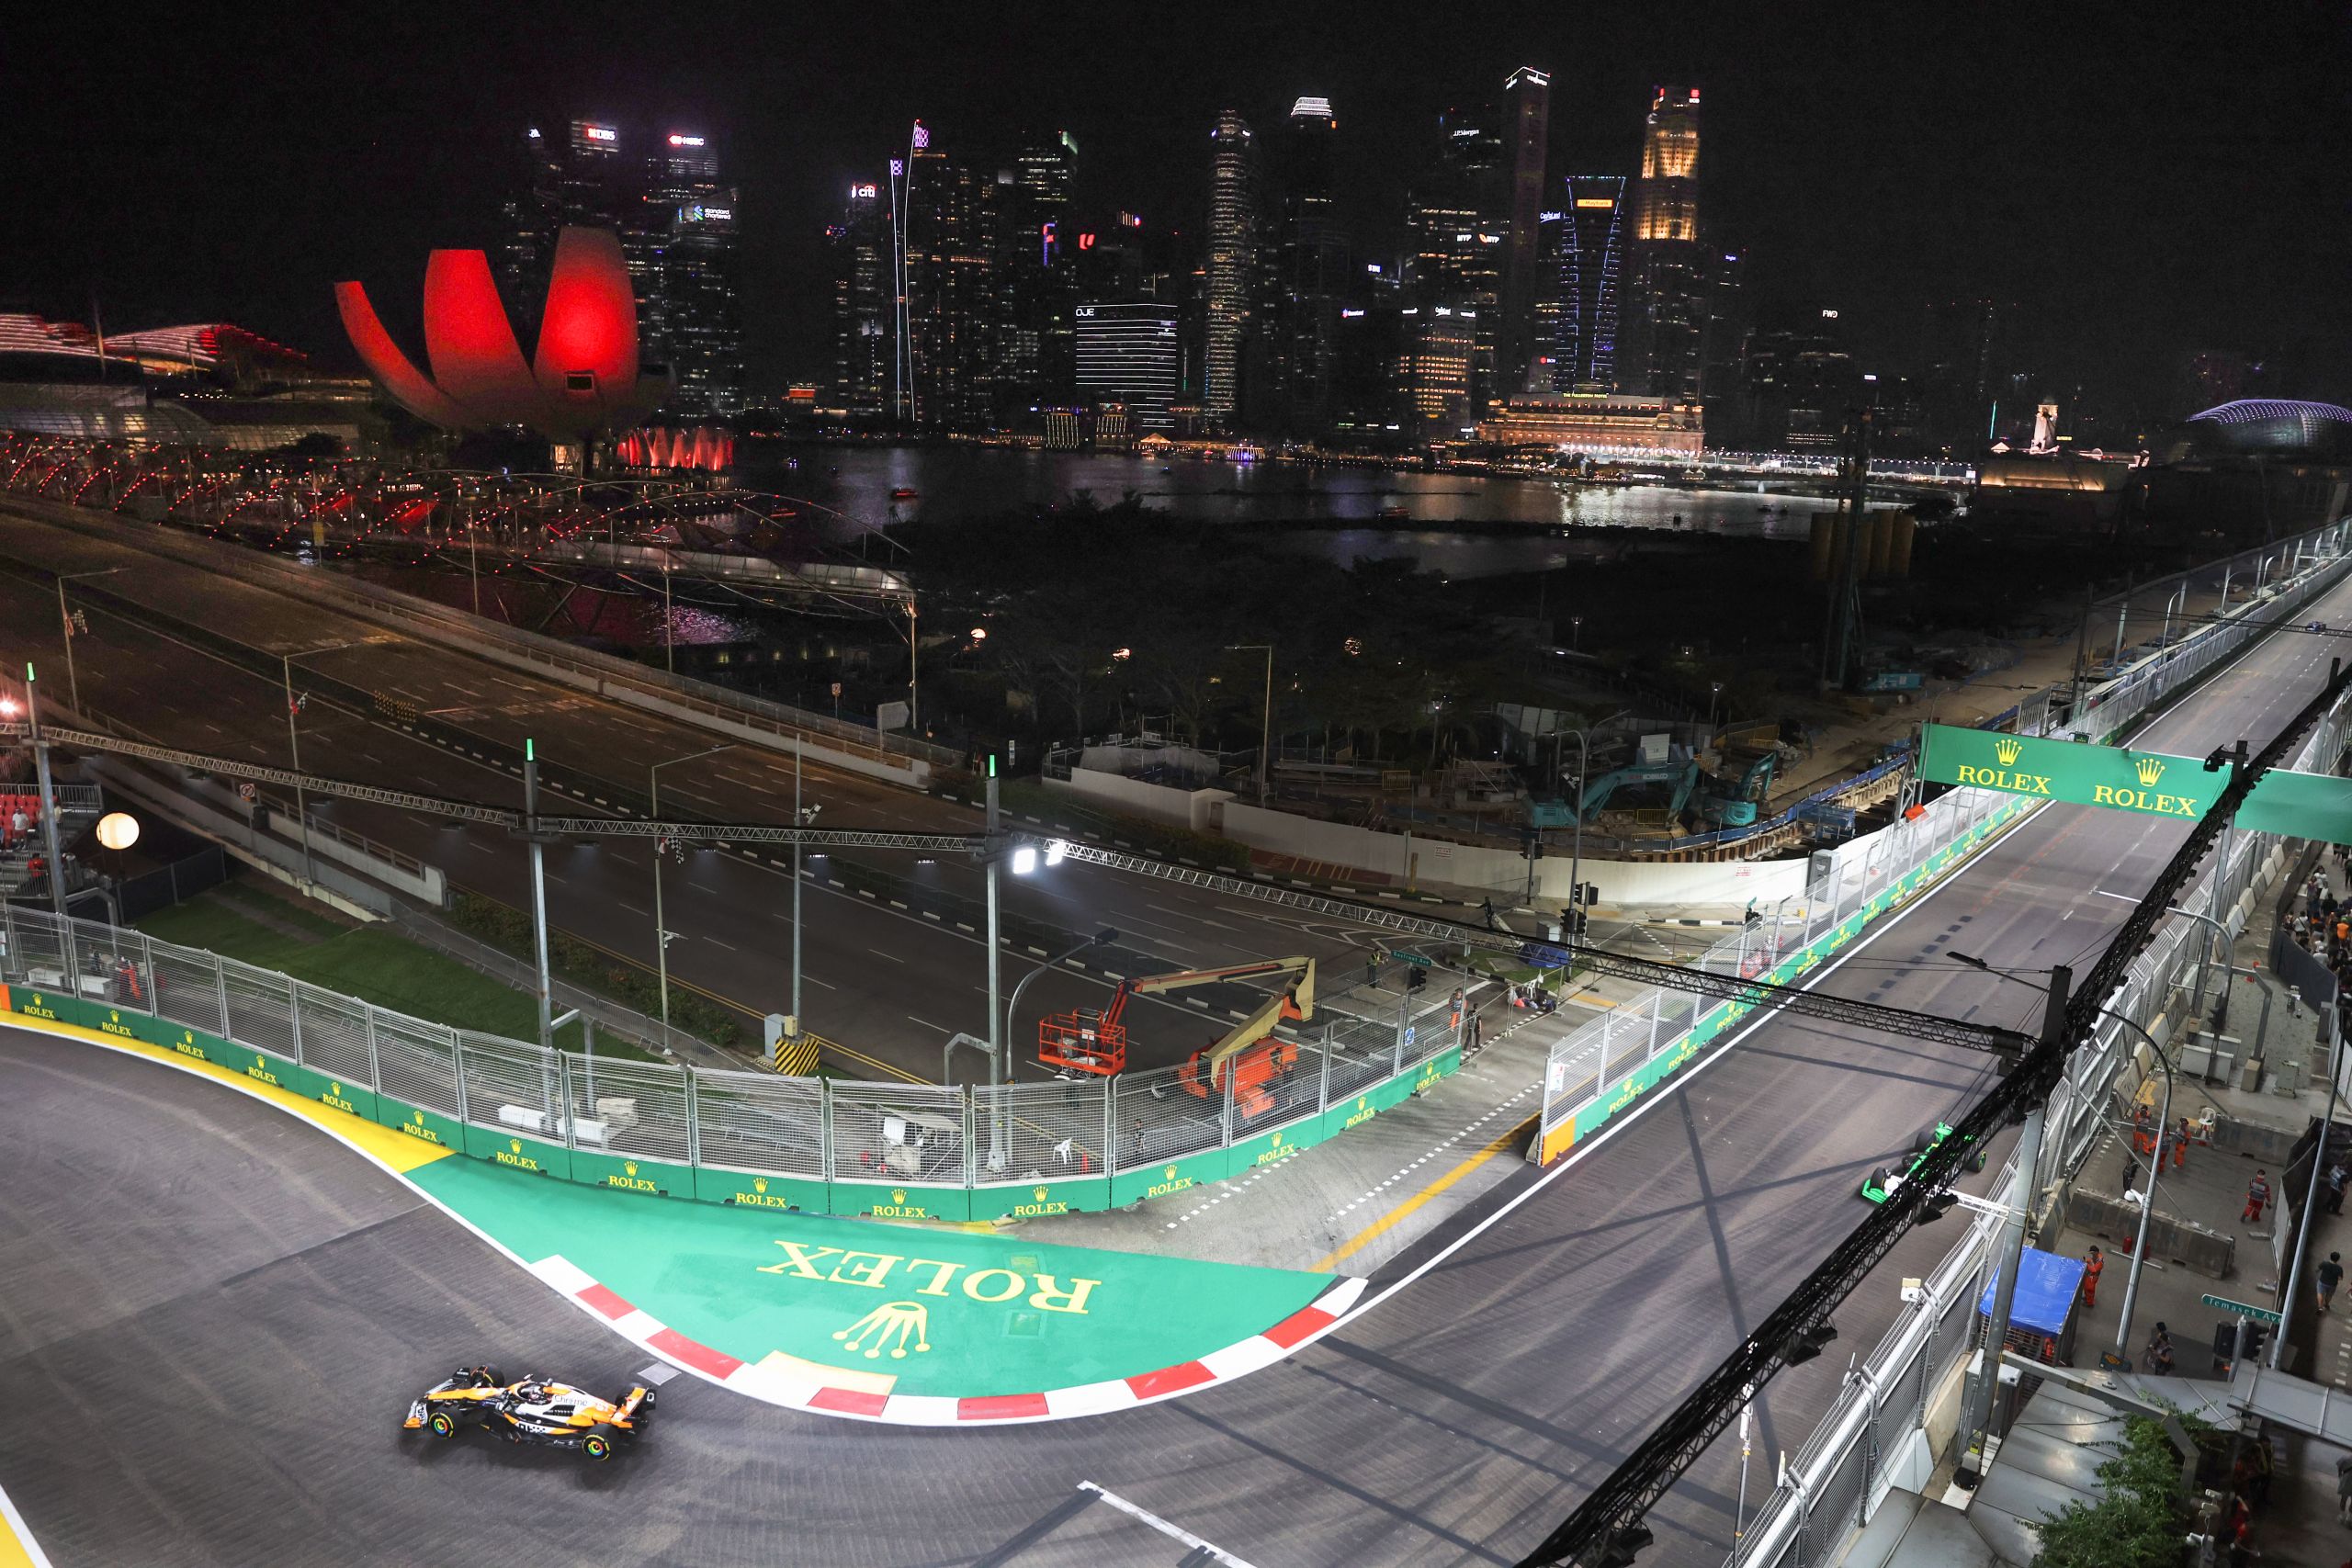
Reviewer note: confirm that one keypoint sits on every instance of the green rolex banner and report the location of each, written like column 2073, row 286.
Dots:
column 2070, row 770
column 2301, row 806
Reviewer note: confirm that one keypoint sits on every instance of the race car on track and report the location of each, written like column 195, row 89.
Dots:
column 532, row 1411
column 1883, row 1181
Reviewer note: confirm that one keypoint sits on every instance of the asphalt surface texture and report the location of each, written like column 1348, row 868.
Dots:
column 221, row 1313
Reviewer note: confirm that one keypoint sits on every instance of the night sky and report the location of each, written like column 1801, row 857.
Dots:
column 2145, row 179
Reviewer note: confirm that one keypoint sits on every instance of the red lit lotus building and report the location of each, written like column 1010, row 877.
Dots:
column 582, row 382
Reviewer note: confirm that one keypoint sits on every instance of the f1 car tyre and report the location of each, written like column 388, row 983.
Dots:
column 441, row 1424
column 596, row 1445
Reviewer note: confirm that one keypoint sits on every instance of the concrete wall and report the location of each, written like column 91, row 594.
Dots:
column 1401, row 859
column 426, row 882
column 1193, row 808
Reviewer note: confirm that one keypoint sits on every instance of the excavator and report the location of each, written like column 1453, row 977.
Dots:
column 1095, row 1041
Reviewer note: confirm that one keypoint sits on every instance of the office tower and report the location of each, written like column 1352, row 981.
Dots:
column 689, row 219
column 862, row 307
column 1592, row 252
column 1036, row 276
column 951, row 213
column 1722, row 341
column 1962, row 365
column 1670, row 263
column 1434, row 371
column 676, row 224
column 1527, row 119
column 1458, row 215
column 1126, row 353
column 1311, row 272
column 1232, row 257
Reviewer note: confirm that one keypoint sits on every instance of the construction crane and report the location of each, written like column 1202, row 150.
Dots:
column 1095, row 1041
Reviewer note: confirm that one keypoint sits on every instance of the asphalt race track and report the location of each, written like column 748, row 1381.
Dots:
column 219, row 1312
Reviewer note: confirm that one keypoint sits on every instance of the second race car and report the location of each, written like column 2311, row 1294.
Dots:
column 532, row 1411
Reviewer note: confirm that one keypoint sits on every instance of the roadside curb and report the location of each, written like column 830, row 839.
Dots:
column 792, row 1387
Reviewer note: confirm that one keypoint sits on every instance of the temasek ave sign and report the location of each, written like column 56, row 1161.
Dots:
column 2080, row 774
column 2302, row 805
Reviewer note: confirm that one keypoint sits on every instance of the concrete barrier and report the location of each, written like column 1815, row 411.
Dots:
column 2183, row 1242
column 1196, row 809
column 329, row 842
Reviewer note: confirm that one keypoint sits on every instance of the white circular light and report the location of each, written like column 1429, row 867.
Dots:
column 117, row 830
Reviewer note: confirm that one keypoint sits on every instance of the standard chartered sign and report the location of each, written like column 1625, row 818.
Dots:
column 2301, row 805
column 2081, row 774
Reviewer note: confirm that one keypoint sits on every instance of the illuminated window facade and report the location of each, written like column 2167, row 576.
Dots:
column 1667, row 200
column 1233, row 177
column 1592, row 256
column 1435, row 369
column 1126, row 353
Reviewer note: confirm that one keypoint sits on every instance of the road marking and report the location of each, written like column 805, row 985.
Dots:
column 1194, row 1543
column 630, row 907
column 727, row 945
column 1404, row 1210
column 891, row 956
column 17, row 1547
column 928, row 1024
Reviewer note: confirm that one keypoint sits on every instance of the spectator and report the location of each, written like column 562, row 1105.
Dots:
column 2181, row 1145
column 2330, row 1274
column 18, row 826
column 2336, row 1176
column 2157, row 1358
column 2344, row 1490
column 2093, row 1263
column 2258, row 1194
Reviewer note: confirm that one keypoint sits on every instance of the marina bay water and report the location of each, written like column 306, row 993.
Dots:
column 1500, row 525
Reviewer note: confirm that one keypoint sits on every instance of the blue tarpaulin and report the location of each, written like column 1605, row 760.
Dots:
column 2046, row 1287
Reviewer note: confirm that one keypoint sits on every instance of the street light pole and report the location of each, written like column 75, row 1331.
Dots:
column 2010, row 1255
column 661, row 927
column 996, row 1036
column 47, row 813
column 538, row 890
column 66, row 626
column 294, row 744
column 1266, row 721
column 669, row 626
column 798, row 821
column 997, row 1117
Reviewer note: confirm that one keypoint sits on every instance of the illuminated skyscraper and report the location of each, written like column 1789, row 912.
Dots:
column 1592, row 251
column 676, row 224
column 1527, row 118
column 1433, row 369
column 1232, row 255
column 1036, row 276
column 1311, row 272
column 1459, row 215
column 1670, row 264
column 863, row 309
column 1126, row 353
column 689, row 219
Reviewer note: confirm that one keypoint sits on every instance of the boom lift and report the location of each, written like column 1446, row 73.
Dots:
column 1092, row 1041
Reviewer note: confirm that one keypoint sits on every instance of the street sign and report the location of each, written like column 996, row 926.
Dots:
column 2302, row 805
column 2240, row 1309
column 1409, row 1031
column 1417, row 960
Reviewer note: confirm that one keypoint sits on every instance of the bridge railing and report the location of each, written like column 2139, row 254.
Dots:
column 755, row 1139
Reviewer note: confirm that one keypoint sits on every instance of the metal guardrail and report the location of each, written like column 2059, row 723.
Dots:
column 903, row 1150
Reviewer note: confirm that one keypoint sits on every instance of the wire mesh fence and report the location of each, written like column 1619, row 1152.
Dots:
column 822, row 1130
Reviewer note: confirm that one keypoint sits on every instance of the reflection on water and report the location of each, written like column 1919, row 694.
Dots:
column 955, row 484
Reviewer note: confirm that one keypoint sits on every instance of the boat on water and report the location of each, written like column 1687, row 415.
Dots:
column 903, row 493
column 1394, row 510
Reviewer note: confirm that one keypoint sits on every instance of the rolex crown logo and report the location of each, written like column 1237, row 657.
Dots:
column 114, row 1016
column 1361, row 1100
column 1169, row 1174
column 515, row 1145
column 759, row 1184
column 2150, row 769
column 629, row 1166
column 418, row 1118
column 1038, row 1193
column 335, row 1090
column 898, row 1194
column 905, row 1320
column 2007, row 752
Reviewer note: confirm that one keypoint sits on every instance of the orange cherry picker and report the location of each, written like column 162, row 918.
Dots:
column 1095, row 1041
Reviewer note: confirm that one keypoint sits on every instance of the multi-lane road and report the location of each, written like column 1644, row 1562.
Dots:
column 215, row 1311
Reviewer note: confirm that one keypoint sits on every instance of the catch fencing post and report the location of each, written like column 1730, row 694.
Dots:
column 219, row 990
column 293, row 1016
column 564, row 1076
column 694, row 1115
column 825, row 1126
column 458, row 1070
column 1110, row 1134
column 375, row 1075
column 1323, row 1078
column 1658, row 1007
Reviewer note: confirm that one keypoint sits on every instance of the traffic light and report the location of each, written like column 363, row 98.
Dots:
column 1416, row 977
